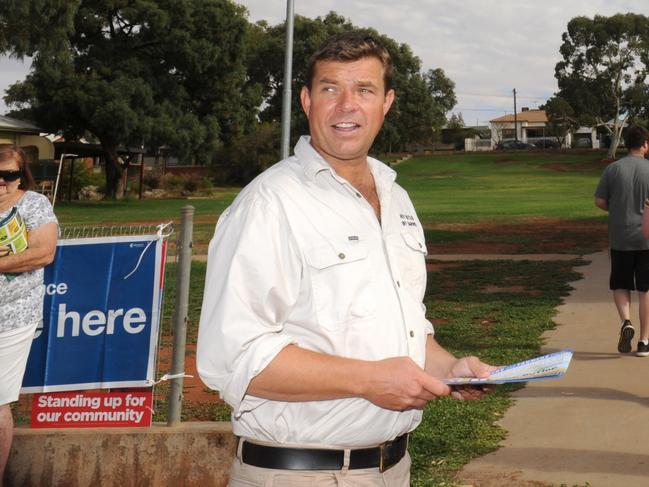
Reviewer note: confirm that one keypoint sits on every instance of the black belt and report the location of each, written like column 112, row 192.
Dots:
column 383, row 456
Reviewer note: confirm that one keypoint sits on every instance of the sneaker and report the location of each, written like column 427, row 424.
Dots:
column 626, row 335
column 643, row 350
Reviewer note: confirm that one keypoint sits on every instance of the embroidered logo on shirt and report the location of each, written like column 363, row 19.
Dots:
column 352, row 237
column 408, row 220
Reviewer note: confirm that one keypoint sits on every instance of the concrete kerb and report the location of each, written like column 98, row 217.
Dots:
column 190, row 454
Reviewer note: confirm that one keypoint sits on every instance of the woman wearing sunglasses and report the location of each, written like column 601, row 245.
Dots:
column 21, row 277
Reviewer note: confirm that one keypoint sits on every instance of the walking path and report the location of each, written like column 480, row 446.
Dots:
column 590, row 427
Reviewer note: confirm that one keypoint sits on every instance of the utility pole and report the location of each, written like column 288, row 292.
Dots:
column 288, row 79
column 515, row 120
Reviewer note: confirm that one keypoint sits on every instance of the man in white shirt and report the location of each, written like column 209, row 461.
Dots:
column 313, row 327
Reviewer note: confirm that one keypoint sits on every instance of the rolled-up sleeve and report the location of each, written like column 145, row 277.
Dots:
column 252, row 283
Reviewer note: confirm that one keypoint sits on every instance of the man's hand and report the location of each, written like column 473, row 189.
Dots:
column 399, row 384
column 470, row 367
column 4, row 250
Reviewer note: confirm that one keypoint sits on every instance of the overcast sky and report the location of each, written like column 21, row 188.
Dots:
column 487, row 47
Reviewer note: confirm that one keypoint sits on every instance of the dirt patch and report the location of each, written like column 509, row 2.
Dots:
column 440, row 266
column 584, row 166
column 193, row 388
column 533, row 236
column 439, row 321
column 506, row 160
column 501, row 289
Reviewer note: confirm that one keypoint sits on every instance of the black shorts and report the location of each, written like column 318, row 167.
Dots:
column 629, row 270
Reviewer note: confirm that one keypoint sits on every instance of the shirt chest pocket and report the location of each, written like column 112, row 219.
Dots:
column 342, row 282
column 410, row 252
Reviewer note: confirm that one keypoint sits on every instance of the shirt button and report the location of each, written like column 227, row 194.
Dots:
column 412, row 334
column 358, row 195
column 341, row 256
column 398, row 284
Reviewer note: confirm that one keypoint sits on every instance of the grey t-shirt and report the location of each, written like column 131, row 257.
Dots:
column 21, row 298
column 625, row 185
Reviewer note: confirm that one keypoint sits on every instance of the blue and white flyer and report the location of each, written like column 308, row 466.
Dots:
column 549, row 366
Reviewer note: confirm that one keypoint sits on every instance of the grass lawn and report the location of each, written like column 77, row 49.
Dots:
column 478, row 187
column 102, row 213
column 458, row 197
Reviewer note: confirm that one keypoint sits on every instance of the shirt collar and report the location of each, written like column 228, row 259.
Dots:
column 313, row 163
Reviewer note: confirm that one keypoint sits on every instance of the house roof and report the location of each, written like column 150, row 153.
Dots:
column 526, row 116
column 14, row 125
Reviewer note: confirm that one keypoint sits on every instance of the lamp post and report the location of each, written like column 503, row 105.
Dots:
column 58, row 175
column 288, row 78
column 515, row 120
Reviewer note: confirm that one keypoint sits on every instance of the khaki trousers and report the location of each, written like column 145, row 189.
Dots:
column 243, row 475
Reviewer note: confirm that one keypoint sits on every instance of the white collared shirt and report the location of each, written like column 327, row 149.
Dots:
column 300, row 258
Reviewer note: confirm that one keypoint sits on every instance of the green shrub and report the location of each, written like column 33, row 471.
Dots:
column 81, row 176
column 173, row 182
column 152, row 180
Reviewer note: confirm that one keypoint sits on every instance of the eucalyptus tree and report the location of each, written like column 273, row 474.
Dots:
column 134, row 73
column 421, row 104
column 604, row 68
column 561, row 118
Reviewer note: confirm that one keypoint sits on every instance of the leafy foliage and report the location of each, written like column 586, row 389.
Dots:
column 136, row 73
column 455, row 121
column 603, row 71
column 561, row 118
column 422, row 101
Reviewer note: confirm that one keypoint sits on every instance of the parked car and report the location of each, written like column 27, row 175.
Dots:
column 583, row 143
column 547, row 144
column 515, row 145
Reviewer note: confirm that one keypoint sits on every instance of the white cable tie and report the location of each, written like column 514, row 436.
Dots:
column 172, row 376
column 161, row 228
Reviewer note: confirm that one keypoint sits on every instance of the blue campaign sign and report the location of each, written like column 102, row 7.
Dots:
column 101, row 315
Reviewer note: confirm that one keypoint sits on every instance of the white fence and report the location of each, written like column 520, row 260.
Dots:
column 477, row 145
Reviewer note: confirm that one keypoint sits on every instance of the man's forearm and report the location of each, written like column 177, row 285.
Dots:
column 297, row 374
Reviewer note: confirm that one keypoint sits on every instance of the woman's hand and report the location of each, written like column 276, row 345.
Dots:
column 4, row 250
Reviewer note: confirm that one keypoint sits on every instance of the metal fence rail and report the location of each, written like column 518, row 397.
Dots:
column 112, row 231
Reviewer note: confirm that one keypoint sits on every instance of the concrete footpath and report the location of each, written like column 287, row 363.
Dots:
column 590, row 427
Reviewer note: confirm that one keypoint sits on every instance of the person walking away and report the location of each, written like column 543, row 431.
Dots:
column 622, row 191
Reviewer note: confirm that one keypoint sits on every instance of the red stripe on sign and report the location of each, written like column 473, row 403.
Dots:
column 92, row 409
column 163, row 261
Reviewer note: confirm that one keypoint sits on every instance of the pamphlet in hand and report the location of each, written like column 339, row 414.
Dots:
column 13, row 232
column 548, row 366
column 13, row 236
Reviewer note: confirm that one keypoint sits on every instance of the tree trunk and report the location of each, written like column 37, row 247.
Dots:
column 615, row 141
column 113, row 170
column 616, row 135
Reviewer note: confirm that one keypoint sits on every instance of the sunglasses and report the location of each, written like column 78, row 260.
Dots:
column 9, row 176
